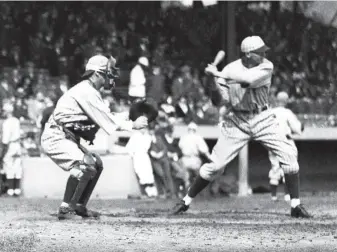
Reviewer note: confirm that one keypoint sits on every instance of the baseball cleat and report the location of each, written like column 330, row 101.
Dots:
column 86, row 213
column 65, row 213
column 179, row 208
column 300, row 212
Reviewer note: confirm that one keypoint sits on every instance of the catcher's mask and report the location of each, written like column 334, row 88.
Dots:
column 104, row 65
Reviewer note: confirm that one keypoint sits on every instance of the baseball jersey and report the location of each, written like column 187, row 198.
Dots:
column 192, row 145
column 83, row 103
column 288, row 121
column 247, row 98
column 11, row 133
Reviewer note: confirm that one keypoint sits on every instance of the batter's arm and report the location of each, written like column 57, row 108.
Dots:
column 253, row 78
column 222, row 89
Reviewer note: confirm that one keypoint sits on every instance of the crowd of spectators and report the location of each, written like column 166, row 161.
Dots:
column 44, row 46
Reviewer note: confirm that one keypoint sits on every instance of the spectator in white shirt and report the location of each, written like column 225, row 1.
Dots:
column 137, row 88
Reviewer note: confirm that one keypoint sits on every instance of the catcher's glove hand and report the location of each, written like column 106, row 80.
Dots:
column 144, row 107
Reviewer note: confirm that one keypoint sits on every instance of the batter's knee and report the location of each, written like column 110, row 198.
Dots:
column 291, row 168
column 209, row 171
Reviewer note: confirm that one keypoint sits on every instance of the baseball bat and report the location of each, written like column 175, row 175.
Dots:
column 219, row 57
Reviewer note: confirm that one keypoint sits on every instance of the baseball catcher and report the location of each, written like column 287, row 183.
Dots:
column 79, row 113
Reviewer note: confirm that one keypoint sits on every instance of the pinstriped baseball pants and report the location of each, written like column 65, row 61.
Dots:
column 237, row 129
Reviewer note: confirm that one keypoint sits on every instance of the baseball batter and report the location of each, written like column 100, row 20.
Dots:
column 247, row 87
column 290, row 126
column 79, row 113
column 11, row 151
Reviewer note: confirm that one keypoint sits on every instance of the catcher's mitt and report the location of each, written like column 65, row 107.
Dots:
column 144, row 107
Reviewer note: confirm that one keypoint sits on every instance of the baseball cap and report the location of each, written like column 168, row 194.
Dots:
column 192, row 126
column 98, row 63
column 144, row 61
column 282, row 96
column 253, row 44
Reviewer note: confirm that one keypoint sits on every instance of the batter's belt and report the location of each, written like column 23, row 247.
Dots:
column 255, row 111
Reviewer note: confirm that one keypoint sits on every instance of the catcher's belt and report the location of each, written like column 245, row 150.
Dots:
column 81, row 129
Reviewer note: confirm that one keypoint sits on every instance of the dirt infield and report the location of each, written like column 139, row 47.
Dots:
column 223, row 224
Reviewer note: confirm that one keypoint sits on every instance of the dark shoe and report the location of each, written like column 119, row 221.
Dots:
column 65, row 213
column 300, row 212
column 179, row 208
column 85, row 213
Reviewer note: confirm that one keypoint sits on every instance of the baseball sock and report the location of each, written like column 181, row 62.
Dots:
column 4, row 184
column 17, row 183
column 273, row 189
column 70, row 189
column 292, row 183
column 17, row 186
column 10, row 190
column 197, row 186
column 10, row 183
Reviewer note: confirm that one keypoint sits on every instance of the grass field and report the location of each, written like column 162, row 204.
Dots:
column 217, row 224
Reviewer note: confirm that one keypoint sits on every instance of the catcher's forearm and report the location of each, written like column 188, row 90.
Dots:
column 125, row 125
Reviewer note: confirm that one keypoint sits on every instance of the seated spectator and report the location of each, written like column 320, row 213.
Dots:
column 179, row 173
column 35, row 108
column 15, row 78
column 156, row 85
column 20, row 109
column 26, row 87
column 6, row 91
column 161, row 165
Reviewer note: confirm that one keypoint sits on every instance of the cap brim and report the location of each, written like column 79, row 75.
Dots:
column 262, row 49
column 87, row 73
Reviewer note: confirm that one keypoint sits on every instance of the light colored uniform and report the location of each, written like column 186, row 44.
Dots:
column 138, row 147
column 12, row 162
column 137, row 82
column 81, row 103
column 191, row 146
column 290, row 125
column 249, row 120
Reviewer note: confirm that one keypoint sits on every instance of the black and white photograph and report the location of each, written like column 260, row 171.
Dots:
column 168, row 126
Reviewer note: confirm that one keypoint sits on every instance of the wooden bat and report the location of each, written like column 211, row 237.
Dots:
column 219, row 57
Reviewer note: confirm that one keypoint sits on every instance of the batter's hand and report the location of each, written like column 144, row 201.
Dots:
column 211, row 69
column 140, row 123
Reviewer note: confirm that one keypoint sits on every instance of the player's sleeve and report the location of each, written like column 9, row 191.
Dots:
column 202, row 145
column 294, row 124
column 130, row 146
column 223, row 88
column 254, row 77
column 94, row 106
column 6, row 132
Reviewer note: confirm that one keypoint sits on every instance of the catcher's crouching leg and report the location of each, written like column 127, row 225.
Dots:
column 91, row 169
column 92, row 183
column 81, row 207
